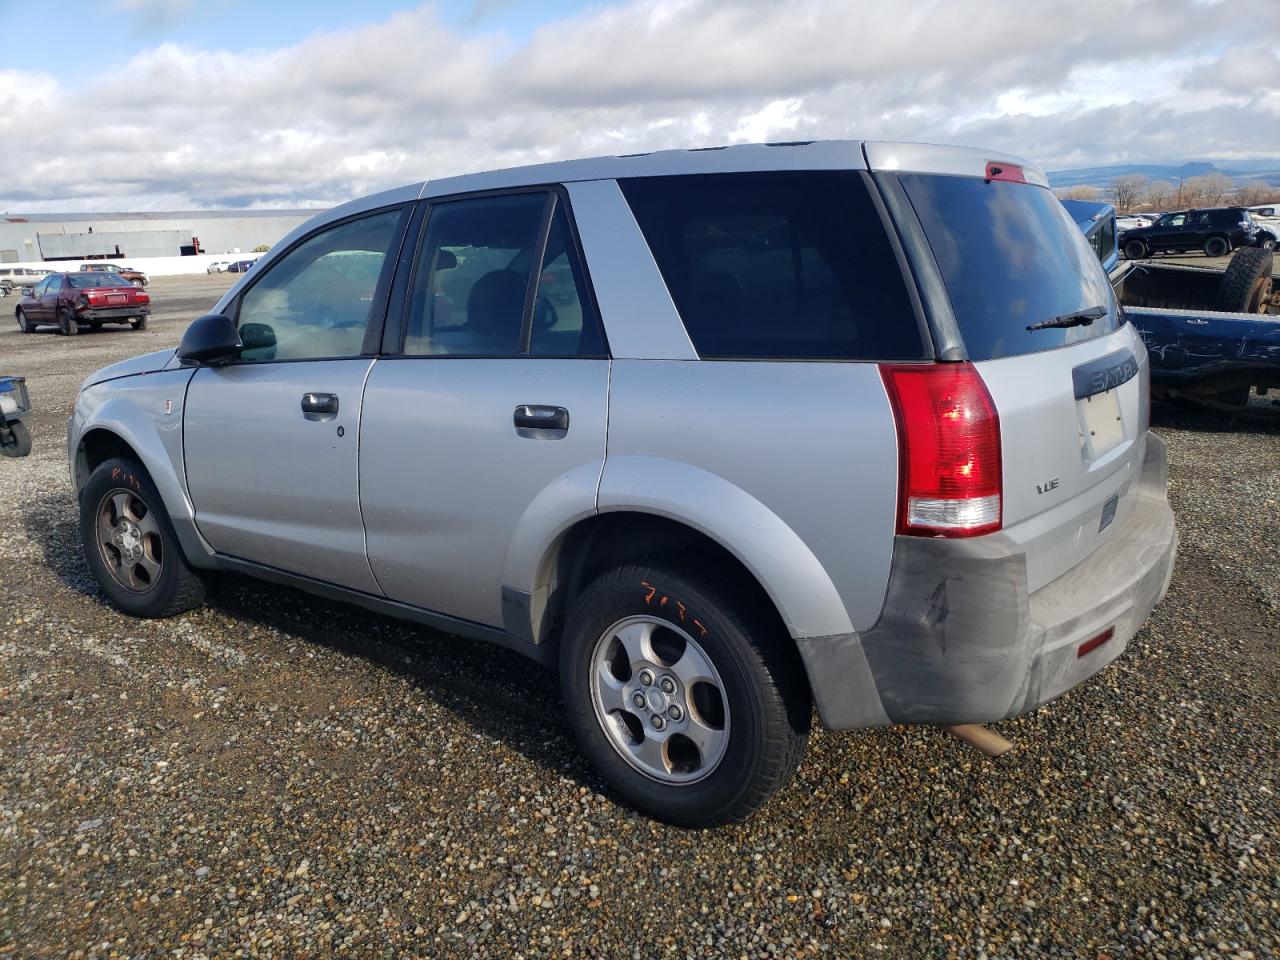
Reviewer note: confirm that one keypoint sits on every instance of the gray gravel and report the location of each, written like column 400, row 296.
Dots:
column 274, row 775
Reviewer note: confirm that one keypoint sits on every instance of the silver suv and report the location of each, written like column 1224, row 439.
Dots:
column 717, row 434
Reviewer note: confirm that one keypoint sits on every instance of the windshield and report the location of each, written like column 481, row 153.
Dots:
column 1010, row 257
column 95, row 280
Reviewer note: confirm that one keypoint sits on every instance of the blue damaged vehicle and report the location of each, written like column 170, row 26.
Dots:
column 1213, row 335
column 718, row 435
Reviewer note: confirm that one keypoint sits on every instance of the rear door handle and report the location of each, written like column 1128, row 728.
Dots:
column 319, row 406
column 534, row 420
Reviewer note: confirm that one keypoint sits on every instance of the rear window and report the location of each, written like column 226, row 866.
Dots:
column 82, row 282
column 1010, row 257
column 792, row 266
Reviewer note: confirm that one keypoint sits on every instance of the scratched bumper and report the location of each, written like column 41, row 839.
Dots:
column 962, row 640
column 115, row 313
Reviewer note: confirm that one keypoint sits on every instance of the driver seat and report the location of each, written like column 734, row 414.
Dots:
column 495, row 308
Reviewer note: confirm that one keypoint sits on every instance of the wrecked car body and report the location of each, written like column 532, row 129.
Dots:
column 1213, row 335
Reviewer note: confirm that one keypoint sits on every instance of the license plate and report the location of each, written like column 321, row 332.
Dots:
column 116, row 298
column 1100, row 415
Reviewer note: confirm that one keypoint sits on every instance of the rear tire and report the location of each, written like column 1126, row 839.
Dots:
column 1135, row 250
column 1246, row 285
column 746, row 726
column 130, row 545
column 1216, row 247
column 138, row 323
column 20, row 444
column 1267, row 243
column 68, row 325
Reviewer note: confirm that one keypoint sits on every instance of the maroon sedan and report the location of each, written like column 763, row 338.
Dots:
column 72, row 300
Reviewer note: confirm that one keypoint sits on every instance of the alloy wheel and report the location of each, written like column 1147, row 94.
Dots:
column 659, row 699
column 129, row 541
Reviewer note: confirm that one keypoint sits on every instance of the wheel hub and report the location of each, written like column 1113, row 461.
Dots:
column 659, row 699
column 129, row 541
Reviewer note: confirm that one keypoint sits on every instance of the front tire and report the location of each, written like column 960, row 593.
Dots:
column 726, row 706
column 23, row 324
column 130, row 545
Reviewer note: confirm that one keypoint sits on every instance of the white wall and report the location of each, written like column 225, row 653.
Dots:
column 151, row 266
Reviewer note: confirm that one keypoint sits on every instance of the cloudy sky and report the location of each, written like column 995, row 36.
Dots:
column 168, row 104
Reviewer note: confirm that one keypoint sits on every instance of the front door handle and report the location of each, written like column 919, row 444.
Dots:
column 541, row 422
column 319, row 406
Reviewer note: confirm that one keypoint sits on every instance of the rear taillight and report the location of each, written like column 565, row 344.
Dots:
column 949, row 468
column 144, row 297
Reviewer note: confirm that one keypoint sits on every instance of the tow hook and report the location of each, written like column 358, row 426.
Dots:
column 976, row 735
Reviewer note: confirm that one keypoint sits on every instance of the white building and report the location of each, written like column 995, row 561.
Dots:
column 37, row 237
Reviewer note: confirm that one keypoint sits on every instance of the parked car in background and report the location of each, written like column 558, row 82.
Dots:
column 72, row 301
column 932, row 496
column 136, row 277
column 11, row 277
column 1216, row 231
column 1100, row 225
column 218, row 267
column 1267, row 217
column 240, row 266
column 1134, row 221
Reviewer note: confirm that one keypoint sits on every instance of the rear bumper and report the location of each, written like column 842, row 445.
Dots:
column 115, row 313
column 962, row 640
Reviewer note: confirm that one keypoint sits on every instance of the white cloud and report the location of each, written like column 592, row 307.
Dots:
column 344, row 113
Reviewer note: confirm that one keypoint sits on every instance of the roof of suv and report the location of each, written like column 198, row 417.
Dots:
column 743, row 158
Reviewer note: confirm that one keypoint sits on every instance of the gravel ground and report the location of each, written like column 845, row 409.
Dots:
column 274, row 775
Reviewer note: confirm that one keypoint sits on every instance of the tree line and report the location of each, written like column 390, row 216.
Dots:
column 1134, row 193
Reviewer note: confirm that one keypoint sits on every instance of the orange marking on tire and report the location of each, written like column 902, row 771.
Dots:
column 663, row 603
column 648, row 597
column 680, row 607
column 700, row 627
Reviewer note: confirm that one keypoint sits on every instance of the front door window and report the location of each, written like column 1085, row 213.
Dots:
column 315, row 302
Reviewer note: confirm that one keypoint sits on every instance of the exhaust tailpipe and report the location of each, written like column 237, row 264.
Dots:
column 976, row 735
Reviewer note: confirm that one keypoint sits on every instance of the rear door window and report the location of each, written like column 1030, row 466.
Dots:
column 1010, row 257
column 564, row 321
column 472, row 277
column 471, row 284
column 782, row 265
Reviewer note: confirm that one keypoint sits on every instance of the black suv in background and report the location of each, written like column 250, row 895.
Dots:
column 1217, row 232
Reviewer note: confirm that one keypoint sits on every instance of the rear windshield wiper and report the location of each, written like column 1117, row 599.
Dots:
column 1076, row 318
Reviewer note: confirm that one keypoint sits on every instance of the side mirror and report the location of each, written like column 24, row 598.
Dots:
column 28, row 290
column 211, row 340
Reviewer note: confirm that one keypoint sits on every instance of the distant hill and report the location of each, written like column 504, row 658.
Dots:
column 1240, row 172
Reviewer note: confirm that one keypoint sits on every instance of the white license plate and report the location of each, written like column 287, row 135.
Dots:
column 1103, row 425
column 116, row 298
